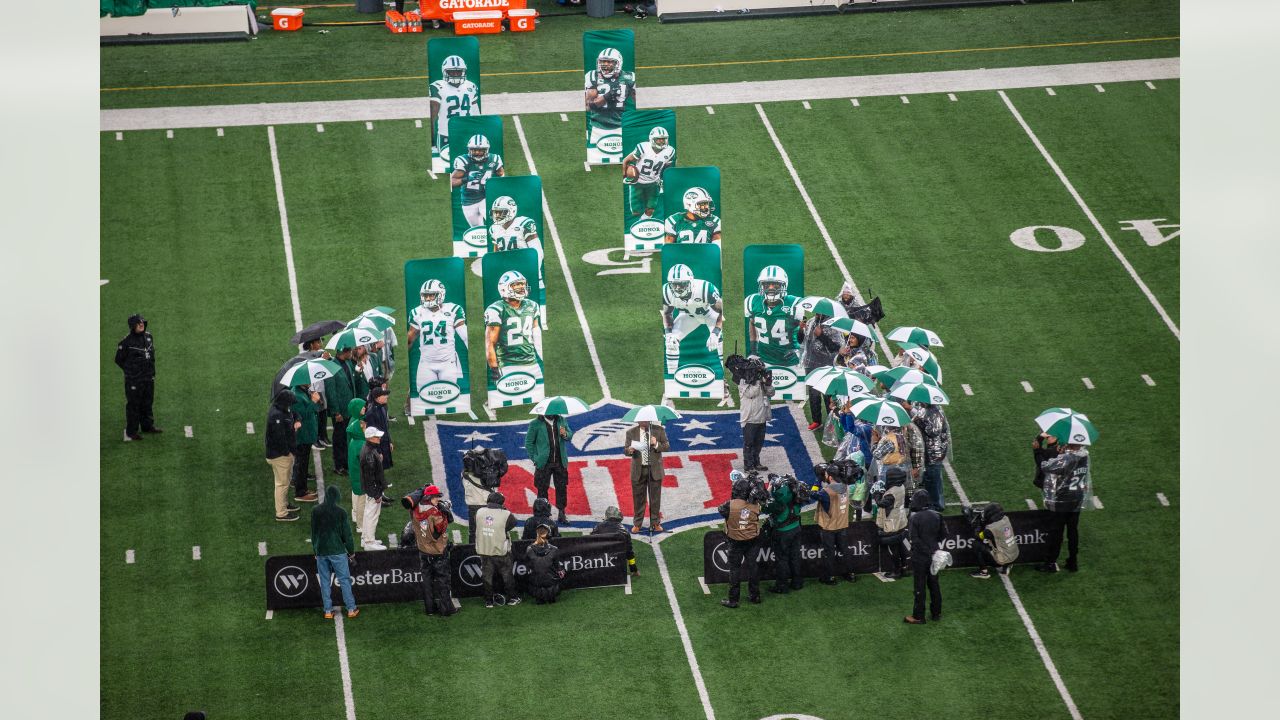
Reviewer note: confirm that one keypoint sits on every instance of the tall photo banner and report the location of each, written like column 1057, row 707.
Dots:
column 453, row 75
column 691, row 205
column 512, row 331
column 649, row 146
column 514, row 211
column 692, row 322
column 773, row 278
column 609, row 89
column 435, row 292
column 476, row 145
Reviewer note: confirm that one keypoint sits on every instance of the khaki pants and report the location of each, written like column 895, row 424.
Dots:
column 281, row 469
column 357, row 510
column 369, row 526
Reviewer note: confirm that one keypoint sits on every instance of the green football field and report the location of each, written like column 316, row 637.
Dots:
column 919, row 200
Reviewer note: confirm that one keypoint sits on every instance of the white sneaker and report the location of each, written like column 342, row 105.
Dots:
column 127, row 438
column 375, row 545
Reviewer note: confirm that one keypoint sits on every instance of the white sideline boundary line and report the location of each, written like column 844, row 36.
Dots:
column 284, row 228
column 1026, row 387
column 1163, row 500
column 1150, row 86
column 1088, row 384
column 711, row 110
column 627, row 589
column 564, row 117
column 564, row 266
column 806, row 105
column 703, row 582
column 1050, row 91
column 952, row 97
column 684, row 632
column 1092, row 218
column 854, row 101
column 967, row 390
column 341, row 632
column 1147, row 379
column 950, row 471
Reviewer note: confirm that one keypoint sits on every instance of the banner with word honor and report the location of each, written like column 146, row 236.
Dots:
column 435, row 292
column 692, row 322
column 453, row 76
column 609, row 89
column 773, row 277
column 476, row 146
column 649, row 146
column 512, row 331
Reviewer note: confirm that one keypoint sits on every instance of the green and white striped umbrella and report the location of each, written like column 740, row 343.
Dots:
column 652, row 413
column 560, row 405
column 892, row 377
column 924, row 359
column 879, row 411
column 848, row 325
column 374, row 319
column 309, row 371
column 915, row 335
column 1068, row 426
column 920, row 393
column 352, row 337
column 819, row 305
column 839, row 381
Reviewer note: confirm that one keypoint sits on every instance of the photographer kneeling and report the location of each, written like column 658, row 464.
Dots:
column 431, row 517
column 742, row 526
column 482, row 472
column 544, row 568
column 890, row 511
column 996, row 544
column 755, row 387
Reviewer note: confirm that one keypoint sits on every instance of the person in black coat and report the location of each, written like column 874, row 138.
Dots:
column 375, row 415
column 544, row 567
column 541, row 518
column 612, row 525
column 925, row 531
column 136, row 356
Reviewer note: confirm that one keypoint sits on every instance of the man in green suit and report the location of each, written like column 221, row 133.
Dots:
column 545, row 442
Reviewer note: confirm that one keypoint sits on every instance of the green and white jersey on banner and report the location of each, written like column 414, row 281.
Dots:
column 517, row 203
column 453, row 76
column 651, row 137
column 691, row 205
column 513, row 333
column 519, row 232
column 609, row 90
column 772, row 327
column 692, row 319
column 439, row 379
column 469, row 176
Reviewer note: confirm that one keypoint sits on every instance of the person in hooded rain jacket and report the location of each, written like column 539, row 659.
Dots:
column 355, row 443
column 280, row 436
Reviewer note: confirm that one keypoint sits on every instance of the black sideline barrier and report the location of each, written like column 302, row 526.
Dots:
column 863, row 554
column 388, row 576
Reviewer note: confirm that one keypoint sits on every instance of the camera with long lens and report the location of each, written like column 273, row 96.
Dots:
column 486, row 466
column 749, row 370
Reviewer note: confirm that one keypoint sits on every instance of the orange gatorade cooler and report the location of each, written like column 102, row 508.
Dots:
column 522, row 20
column 476, row 22
column 287, row 19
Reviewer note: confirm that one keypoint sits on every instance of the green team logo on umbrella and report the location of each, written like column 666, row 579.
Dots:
column 823, row 306
column 839, row 381
column 915, row 335
column 376, row 320
column 651, row 413
column 309, row 371
column 1067, row 425
column 919, row 393
column 560, row 405
column 881, row 412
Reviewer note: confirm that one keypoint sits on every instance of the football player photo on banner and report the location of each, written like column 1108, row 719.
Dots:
column 691, row 205
column 476, row 145
column 514, row 211
column 692, row 322
column 608, row 59
column 773, row 313
column 649, row 139
column 453, row 74
column 512, row 333
column 435, row 292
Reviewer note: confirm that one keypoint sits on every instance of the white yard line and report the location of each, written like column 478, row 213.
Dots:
column 1031, row 504
column 967, row 390
column 905, row 100
column 711, row 110
column 564, row 267
column 1092, row 218
column 248, row 428
column 270, row 614
column 119, row 136
column 684, row 632
column 168, row 134
column 1040, row 648
column 705, row 95
column 1147, row 379
column 262, row 548
column 951, row 97
column 1150, row 86
column 627, row 590
column 1088, row 384
column 1050, row 91
column 220, row 132
column 129, row 557
column 284, row 228
column 342, row 662
column 1163, row 500
column 319, row 127
column 418, row 123
column 564, row 117
column 1099, row 88
column 950, row 471
column 806, row 105
column 703, row 582
column 195, row 552
column 368, row 126
column 854, row 101
column 188, row 431
column 1026, row 387
column 431, row 173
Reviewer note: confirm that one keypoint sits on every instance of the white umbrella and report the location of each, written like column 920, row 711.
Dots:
column 915, row 335
column 309, row 371
column 819, row 305
column 352, row 337
column 560, row 405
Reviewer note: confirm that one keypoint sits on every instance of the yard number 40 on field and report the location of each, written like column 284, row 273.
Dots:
column 1154, row 231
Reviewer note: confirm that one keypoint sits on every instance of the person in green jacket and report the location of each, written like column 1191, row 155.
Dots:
column 545, row 444
column 784, row 516
column 304, row 407
column 354, row 435
column 333, row 545
column 338, row 391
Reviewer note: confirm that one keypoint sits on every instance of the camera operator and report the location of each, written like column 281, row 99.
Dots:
column 742, row 526
column 541, row 518
column 996, row 544
column 431, row 517
column 545, row 573
column 784, row 522
column 755, row 387
column 612, row 525
column 832, row 516
column 890, row 510
column 494, row 548
column 1066, row 487
column 482, row 471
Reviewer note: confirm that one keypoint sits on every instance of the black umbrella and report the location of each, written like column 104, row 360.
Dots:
column 315, row 331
